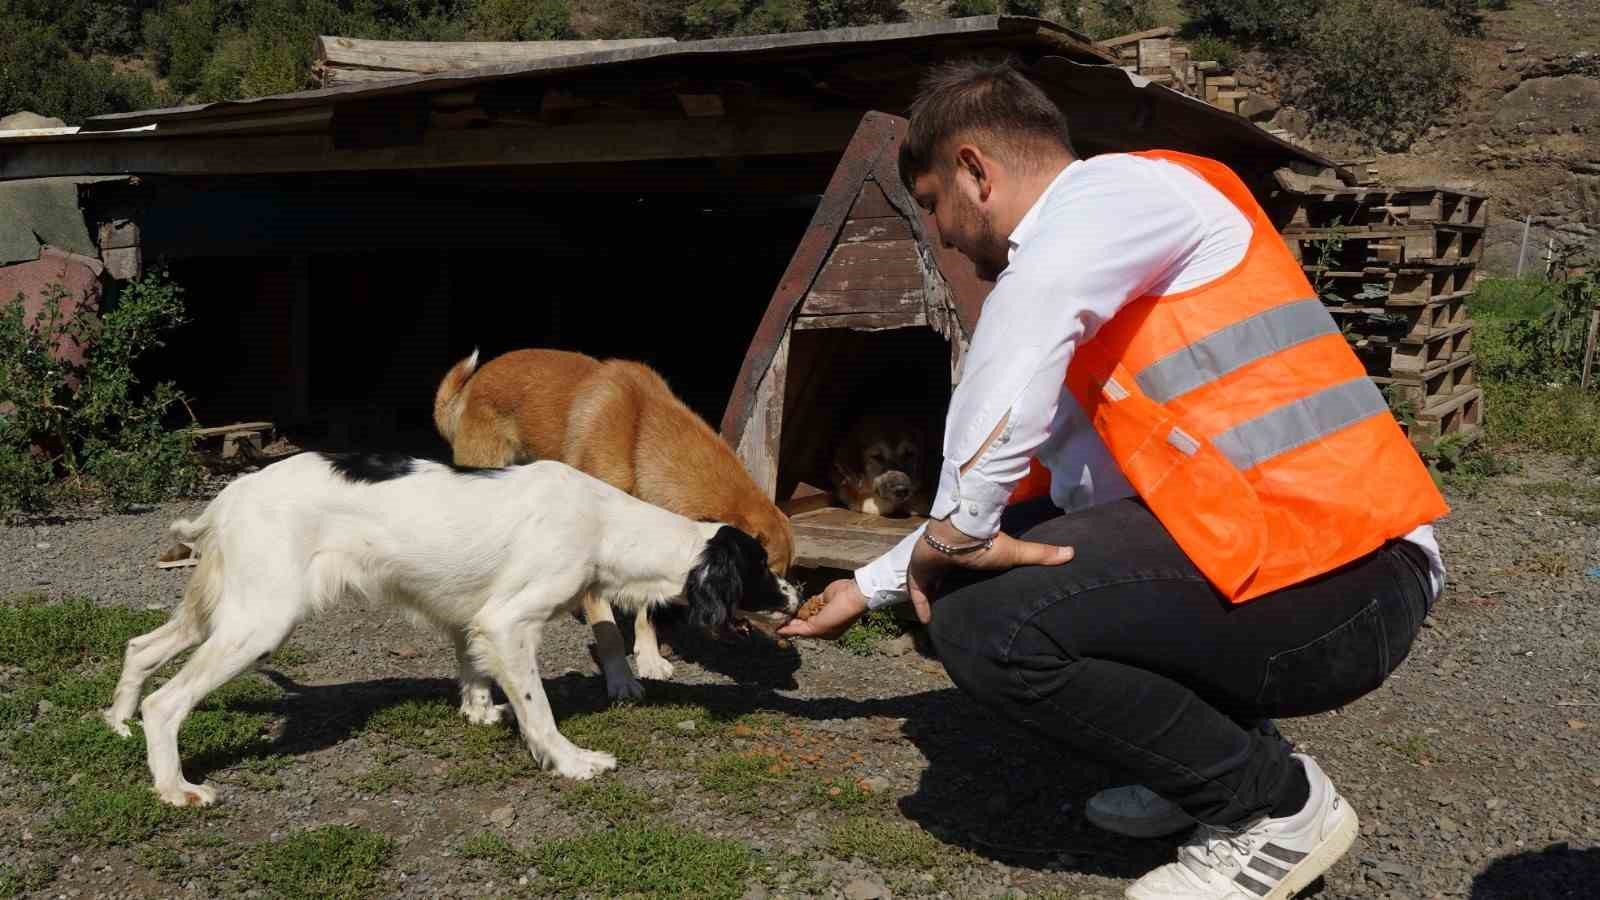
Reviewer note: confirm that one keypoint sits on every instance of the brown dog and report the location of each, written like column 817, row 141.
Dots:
column 618, row 421
column 880, row 466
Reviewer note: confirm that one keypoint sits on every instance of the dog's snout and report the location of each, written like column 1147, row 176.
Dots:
column 900, row 491
column 894, row 485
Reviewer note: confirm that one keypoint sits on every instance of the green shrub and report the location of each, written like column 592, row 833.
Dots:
column 1119, row 17
column 1211, row 47
column 1387, row 83
column 94, row 421
column 522, row 20
column 1462, row 16
column 1271, row 22
column 961, row 9
column 40, row 72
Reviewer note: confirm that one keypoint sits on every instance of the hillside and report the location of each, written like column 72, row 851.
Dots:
column 1521, row 130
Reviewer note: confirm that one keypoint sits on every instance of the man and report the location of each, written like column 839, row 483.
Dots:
column 1235, row 528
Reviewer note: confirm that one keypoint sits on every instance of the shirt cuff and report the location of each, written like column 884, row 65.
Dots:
column 970, row 502
column 883, row 581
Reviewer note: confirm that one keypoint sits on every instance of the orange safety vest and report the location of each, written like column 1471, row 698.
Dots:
column 1242, row 418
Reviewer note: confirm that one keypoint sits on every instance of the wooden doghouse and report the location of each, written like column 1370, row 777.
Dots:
column 871, row 304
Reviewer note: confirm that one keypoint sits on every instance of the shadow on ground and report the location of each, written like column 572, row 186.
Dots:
column 1554, row 873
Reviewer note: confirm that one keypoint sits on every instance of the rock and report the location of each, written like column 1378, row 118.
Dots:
column 758, row 892
column 1550, row 105
column 865, row 889
column 42, row 545
column 1257, row 108
column 405, row 651
column 43, row 707
column 18, row 121
column 1448, row 825
column 1518, row 47
column 502, row 815
column 875, row 784
column 685, row 725
column 900, row 646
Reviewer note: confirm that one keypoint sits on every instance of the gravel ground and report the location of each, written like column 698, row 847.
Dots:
column 1475, row 768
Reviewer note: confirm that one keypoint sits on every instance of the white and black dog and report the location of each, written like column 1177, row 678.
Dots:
column 489, row 556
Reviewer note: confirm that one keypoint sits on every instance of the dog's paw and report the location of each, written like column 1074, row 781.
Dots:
column 653, row 667
column 186, row 794
column 581, row 765
column 118, row 725
column 624, row 689
column 483, row 714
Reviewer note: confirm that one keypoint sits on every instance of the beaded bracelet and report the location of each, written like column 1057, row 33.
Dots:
column 948, row 550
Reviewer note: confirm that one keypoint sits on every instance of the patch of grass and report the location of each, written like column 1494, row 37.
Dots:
column 1414, row 747
column 434, row 724
column 609, row 799
column 625, row 730
column 843, row 793
column 290, row 655
column 871, row 629
column 481, row 773
column 14, row 879
column 645, row 861
column 47, row 638
column 384, row 779
column 112, row 817
column 206, row 841
column 1576, row 500
column 160, row 860
column 489, row 846
column 1563, row 419
column 334, row 861
column 743, row 776
column 889, row 844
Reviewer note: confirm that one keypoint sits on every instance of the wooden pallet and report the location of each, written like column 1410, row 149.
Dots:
column 835, row 538
column 1393, row 357
column 1405, row 285
column 1460, row 414
column 1368, row 207
column 1432, row 386
column 1417, row 323
column 1349, row 249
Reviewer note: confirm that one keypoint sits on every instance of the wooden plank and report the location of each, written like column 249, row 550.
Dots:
column 840, row 539
column 881, row 228
column 903, row 302
column 1155, row 54
column 1432, row 385
column 123, row 263
column 1165, row 31
column 758, row 446
column 119, row 233
column 427, row 57
column 136, row 153
column 872, row 321
column 839, row 520
column 871, row 266
column 872, row 204
column 875, row 133
column 218, row 430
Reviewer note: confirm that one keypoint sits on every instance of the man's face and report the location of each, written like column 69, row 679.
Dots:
column 964, row 217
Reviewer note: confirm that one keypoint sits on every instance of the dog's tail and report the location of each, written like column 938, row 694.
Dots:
column 447, row 400
column 204, row 589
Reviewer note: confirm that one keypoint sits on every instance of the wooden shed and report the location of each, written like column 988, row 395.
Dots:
column 342, row 247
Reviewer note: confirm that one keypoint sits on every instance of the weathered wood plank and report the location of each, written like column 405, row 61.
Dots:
column 400, row 58
column 758, row 446
column 871, row 203
column 586, row 143
column 882, row 228
column 875, row 321
column 871, row 266
column 902, row 302
column 820, row 541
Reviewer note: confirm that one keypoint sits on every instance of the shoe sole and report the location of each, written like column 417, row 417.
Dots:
column 1320, row 859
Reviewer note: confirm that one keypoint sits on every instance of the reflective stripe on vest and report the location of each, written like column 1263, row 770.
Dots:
column 1246, row 423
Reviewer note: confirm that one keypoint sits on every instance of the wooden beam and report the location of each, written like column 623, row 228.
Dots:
column 758, row 446
column 150, row 153
column 347, row 59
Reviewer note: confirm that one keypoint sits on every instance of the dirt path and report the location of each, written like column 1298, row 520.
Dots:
column 807, row 772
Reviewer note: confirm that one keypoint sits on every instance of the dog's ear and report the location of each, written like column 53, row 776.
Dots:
column 720, row 577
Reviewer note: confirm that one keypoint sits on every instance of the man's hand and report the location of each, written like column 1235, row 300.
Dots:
column 842, row 604
column 927, row 566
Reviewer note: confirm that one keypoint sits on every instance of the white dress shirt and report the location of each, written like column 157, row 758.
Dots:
column 1106, row 231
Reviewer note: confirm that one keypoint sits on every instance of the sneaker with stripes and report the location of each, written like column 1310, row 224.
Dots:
column 1271, row 859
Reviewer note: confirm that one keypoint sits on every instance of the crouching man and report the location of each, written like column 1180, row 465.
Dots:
column 1172, row 506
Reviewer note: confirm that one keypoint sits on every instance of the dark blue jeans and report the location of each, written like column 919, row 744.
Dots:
column 1127, row 656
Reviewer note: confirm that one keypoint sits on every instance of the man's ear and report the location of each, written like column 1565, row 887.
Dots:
column 976, row 165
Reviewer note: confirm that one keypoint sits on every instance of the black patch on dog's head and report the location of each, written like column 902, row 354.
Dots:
column 371, row 467
column 730, row 575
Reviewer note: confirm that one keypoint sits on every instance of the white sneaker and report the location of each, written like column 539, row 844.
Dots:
column 1272, row 859
column 1136, row 811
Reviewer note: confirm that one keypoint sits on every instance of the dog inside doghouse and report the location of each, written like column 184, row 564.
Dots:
column 863, row 418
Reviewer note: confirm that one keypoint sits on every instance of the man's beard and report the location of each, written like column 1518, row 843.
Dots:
column 984, row 240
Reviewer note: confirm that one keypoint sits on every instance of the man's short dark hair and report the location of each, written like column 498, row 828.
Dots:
column 989, row 101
